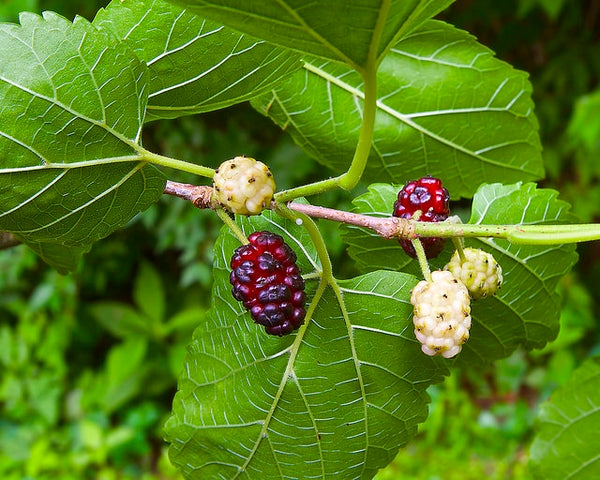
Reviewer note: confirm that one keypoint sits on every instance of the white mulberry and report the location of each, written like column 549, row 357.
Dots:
column 441, row 314
column 480, row 272
column 243, row 185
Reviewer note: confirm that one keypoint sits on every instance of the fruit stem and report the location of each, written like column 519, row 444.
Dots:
column 418, row 246
column 227, row 220
column 458, row 242
column 458, row 245
column 315, row 235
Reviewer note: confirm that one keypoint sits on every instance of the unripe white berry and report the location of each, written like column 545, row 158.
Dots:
column 480, row 272
column 441, row 314
column 243, row 185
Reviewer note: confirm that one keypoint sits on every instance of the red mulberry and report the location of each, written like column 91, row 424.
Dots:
column 428, row 196
column 267, row 281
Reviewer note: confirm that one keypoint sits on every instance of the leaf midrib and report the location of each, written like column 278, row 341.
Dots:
column 323, row 284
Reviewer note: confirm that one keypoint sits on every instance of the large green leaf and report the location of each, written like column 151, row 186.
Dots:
column 335, row 400
column 446, row 107
column 342, row 31
column 527, row 308
column 566, row 444
column 195, row 65
column 73, row 104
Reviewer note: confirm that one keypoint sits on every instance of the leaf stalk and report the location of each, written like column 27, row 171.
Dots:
column 156, row 159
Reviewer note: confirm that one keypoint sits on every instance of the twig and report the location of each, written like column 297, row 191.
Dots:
column 387, row 227
column 197, row 194
column 393, row 227
column 8, row 240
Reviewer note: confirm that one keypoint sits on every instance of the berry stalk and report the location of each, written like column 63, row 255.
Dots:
column 315, row 236
column 227, row 220
column 459, row 247
column 422, row 257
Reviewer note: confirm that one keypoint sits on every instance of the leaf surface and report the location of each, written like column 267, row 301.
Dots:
column 526, row 309
column 446, row 107
column 334, row 400
column 566, row 444
column 149, row 293
column 341, row 31
column 70, row 124
column 120, row 319
column 195, row 65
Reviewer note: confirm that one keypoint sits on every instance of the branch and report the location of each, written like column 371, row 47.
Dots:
column 8, row 240
column 199, row 195
column 393, row 227
column 387, row 227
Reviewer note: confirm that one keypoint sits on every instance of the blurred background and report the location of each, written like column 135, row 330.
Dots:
column 89, row 361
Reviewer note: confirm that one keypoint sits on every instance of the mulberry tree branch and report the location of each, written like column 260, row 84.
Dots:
column 8, row 240
column 393, row 227
column 199, row 195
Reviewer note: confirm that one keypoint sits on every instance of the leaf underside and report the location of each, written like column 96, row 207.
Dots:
column 195, row 65
column 446, row 107
column 335, row 400
column 566, row 444
column 73, row 107
column 341, row 31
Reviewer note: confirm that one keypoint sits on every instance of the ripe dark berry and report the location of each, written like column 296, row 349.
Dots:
column 429, row 197
column 267, row 281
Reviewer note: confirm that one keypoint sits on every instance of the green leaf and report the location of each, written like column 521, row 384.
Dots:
column 184, row 321
column 584, row 125
column 552, row 8
column 566, row 444
column 341, row 31
column 64, row 258
column 526, row 310
column 195, row 65
column 73, row 106
column 528, row 297
column 149, row 293
column 334, row 400
column 120, row 319
column 446, row 107
column 125, row 373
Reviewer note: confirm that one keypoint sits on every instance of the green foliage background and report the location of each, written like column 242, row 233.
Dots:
column 68, row 408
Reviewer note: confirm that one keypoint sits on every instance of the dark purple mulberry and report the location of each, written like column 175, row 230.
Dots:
column 267, row 281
